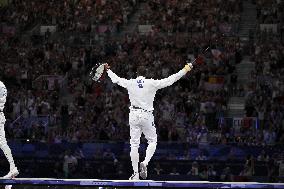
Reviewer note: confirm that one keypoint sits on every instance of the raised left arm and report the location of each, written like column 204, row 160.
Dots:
column 115, row 79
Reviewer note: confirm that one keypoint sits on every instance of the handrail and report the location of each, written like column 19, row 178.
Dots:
column 16, row 119
column 44, row 76
column 269, row 146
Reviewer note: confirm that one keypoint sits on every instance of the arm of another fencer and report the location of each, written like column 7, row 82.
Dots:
column 3, row 94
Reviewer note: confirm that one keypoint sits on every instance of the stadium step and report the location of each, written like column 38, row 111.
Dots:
column 133, row 22
column 236, row 107
column 236, row 113
column 248, row 20
column 236, row 100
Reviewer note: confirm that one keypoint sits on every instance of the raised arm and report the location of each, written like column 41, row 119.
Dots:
column 159, row 84
column 115, row 79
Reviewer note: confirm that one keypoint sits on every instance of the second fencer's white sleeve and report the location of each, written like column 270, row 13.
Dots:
column 3, row 95
column 159, row 84
column 115, row 79
column 2, row 100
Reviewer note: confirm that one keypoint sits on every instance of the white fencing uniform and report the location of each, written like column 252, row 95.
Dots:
column 142, row 93
column 3, row 143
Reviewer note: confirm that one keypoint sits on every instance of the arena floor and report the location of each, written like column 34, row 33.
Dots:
column 95, row 183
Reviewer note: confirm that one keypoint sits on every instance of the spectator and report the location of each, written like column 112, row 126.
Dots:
column 208, row 173
column 226, row 174
column 249, row 166
column 263, row 156
column 281, row 168
column 201, row 157
column 194, row 169
column 69, row 164
column 174, row 171
column 108, row 154
column 158, row 170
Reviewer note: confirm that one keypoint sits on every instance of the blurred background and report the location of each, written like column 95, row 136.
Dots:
column 221, row 122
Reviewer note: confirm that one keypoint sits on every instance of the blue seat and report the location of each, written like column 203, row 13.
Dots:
column 55, row 149
column 16, row 148
column 90, row 148
column 41, row 153
column 28, row 149
column 41, row 146
column 194, row 152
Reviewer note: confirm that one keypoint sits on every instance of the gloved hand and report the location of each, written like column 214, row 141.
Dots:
column 188, row 67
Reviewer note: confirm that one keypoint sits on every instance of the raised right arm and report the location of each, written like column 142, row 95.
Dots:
column 159, row 84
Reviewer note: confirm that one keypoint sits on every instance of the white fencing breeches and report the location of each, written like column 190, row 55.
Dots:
column 3, row 143
column 140, row 122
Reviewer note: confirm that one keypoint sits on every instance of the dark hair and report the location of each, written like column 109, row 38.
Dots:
column 141, row 71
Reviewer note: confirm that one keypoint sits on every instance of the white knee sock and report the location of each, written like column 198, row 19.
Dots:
column 150, row 152
column 7, row 151
column 134, row 155
column 5, row 148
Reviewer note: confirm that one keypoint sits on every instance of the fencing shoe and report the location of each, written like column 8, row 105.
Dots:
column 13, row 173
column 134, row 176
column 143, row 170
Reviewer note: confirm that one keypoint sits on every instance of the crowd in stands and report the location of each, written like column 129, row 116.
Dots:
column 51, row 80
column 95, row 111
column 264, row 99
column 67, row 15
column 99, row 111
column 92, row 106
column 269, row 12
column 191, row 16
